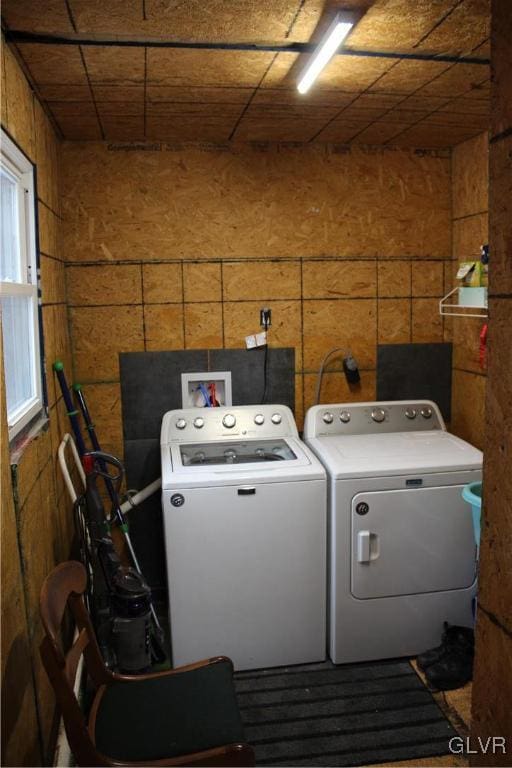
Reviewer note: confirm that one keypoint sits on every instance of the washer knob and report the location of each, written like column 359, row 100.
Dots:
column 198, row 422
column 345, row 417
column 410, row 413
column 181, row 424
column 328, row 417
column 276, row 418
column 229, row 421
column 426, row 413
column 378, row 415
column 259, row 419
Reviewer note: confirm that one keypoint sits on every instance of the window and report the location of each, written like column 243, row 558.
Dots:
column 18, row 288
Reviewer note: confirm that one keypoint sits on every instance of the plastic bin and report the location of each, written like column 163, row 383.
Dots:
column 472, row 493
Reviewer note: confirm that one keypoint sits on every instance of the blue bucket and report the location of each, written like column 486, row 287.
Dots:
column 472, row 493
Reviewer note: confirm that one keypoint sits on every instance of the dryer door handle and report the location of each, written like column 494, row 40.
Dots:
column 368, row 548
column 363, row 547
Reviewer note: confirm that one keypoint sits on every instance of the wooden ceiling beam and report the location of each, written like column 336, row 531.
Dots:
column 15, row 36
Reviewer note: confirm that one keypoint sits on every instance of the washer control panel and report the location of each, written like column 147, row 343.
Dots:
column 251, row 421
column 372, row 418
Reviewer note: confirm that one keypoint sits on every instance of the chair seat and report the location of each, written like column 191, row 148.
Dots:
column 170, row 715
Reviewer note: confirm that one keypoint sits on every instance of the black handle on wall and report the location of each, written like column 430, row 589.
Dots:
column 246, row 491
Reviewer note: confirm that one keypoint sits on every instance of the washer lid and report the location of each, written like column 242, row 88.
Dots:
column 348, row 456
column 195, row 465
column 235, row 452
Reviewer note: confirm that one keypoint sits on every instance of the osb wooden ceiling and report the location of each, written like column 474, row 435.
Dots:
column 113, row 69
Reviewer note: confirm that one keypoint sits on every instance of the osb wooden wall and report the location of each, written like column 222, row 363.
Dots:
column 172, row 248
column 36, row 517
column 492, row 688
column 470, row 194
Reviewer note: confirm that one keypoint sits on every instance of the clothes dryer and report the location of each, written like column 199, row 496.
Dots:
column 401, row 550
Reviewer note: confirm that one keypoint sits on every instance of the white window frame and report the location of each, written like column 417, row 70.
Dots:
column 21, row 169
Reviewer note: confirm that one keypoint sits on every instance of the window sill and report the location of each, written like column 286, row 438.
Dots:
column 20, row 443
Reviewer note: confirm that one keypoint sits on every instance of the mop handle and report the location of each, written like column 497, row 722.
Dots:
column 114, row 497
column 58, row 367
column 77, row 389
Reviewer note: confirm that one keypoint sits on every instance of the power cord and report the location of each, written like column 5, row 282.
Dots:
column 321, row 371
column 265, row 322
column 265, row 374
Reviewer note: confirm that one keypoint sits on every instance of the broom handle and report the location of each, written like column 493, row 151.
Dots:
column 58, row 367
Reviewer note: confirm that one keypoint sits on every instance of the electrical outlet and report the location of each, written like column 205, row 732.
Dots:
column 265, row 317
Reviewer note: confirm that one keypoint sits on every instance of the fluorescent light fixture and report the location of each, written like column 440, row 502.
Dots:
column 336, row 33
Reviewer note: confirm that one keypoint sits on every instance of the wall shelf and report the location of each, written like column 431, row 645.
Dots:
column 476, row 309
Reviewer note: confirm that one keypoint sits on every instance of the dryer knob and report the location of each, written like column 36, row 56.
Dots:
column 378, row 415
column 229, row 421
column 181, row 424
column 328, row 417
column 410, row 413
column 345, row 417
column 198, row 422
column 259, row 419
column 276, row 418
column 426, row 413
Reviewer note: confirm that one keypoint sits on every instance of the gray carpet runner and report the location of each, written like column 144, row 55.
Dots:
column 357, row 714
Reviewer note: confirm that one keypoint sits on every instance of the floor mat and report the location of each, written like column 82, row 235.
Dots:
column 356, row 714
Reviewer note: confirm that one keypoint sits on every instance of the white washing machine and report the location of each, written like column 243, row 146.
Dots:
column 244, row 508
column 401, row 550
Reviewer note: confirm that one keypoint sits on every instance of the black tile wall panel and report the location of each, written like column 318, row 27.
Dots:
column 247, row 374
column 150, row 386
column 416, row 371
column 142, row 463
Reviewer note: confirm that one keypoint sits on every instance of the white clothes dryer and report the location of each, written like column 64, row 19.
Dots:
column 244, row 509
column 401, row 550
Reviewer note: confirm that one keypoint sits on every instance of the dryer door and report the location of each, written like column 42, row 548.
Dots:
column 406, row 542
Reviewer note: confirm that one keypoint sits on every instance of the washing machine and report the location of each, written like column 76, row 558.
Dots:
column 244, row 510
column 401, row 550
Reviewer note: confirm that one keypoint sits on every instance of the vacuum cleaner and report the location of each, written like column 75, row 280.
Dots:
column 118, row 597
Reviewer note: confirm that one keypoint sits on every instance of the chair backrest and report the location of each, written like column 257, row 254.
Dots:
column 64, row 588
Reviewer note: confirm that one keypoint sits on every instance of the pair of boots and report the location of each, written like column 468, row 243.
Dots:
column 449, row 665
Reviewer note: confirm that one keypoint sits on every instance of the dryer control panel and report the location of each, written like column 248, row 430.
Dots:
column 372, row 418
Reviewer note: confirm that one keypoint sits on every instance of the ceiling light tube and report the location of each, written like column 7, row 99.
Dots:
column 335, row 35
